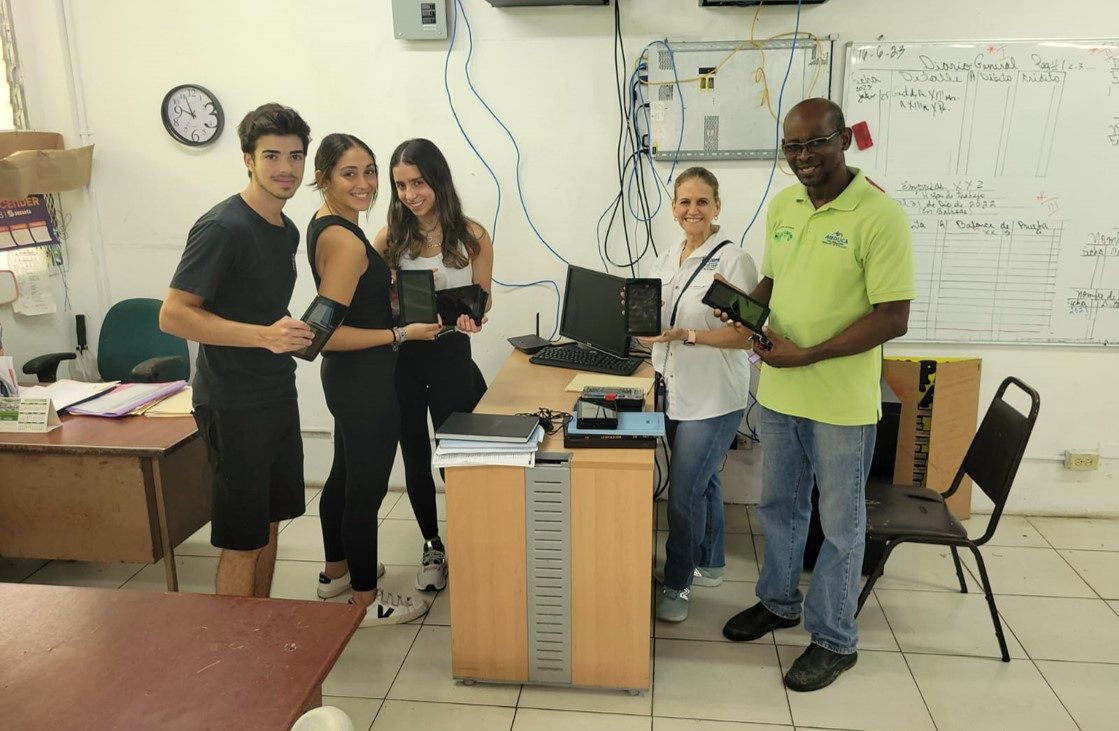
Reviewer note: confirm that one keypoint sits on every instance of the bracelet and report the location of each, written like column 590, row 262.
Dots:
column 399, row 335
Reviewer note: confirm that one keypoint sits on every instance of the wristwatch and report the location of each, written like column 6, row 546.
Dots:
column 690, row 340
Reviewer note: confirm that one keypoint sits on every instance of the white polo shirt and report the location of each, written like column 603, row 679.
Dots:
column 702, row 381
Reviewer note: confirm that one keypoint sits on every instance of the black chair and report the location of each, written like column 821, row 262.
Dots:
column 900, row 514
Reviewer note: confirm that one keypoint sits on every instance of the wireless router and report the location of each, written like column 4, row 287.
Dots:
column 530, row 343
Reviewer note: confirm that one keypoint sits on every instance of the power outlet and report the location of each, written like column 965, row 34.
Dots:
column 1081, row 460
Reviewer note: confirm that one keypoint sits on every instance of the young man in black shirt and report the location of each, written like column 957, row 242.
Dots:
column 230, row 294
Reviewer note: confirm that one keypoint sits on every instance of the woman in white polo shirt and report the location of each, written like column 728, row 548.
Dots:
column 707, row 378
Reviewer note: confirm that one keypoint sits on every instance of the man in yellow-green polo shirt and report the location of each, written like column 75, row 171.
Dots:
column 838, row 277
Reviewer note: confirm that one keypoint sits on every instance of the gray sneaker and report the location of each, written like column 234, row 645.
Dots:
column 701, row 576
column 672, row 606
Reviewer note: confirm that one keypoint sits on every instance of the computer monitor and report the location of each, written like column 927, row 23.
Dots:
column 592, row 311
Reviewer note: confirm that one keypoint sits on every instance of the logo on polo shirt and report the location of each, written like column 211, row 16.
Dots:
column 836, row 238
column 783, row 234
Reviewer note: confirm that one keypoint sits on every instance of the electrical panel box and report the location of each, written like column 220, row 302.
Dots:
column 542, row 3
column 752, row 3
column 419, row 20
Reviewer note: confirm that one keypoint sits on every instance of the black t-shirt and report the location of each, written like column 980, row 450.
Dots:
column 370, row 307
column 243, row 267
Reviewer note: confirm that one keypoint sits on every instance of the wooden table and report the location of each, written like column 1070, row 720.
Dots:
column 77, row 658
column 109, row 490
column 608, row 555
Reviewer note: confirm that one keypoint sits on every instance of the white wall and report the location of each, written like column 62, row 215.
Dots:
column 549, row 73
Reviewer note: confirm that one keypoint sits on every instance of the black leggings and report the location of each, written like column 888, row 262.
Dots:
column 436, row 375
column 361, row 396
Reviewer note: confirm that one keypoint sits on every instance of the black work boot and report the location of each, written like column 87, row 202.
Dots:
column 752, row 623
column 817, row 668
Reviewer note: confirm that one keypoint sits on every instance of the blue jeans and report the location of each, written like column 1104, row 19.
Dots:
column 695, row 496
column 796, row 449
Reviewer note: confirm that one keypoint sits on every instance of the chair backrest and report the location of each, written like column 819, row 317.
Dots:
column 996, row 450
column 130, row 335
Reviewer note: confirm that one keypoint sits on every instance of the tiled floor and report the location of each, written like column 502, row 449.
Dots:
column 928, row 657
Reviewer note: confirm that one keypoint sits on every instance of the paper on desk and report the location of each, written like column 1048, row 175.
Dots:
column 481, row 459
column 65, row 393
column 581, row 381
column 177, row 404
column 126, row 397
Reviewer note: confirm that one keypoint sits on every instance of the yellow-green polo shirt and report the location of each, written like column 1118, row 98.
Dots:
column 829, row 266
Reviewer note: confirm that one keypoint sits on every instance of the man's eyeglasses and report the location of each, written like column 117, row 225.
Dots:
column 792, row 149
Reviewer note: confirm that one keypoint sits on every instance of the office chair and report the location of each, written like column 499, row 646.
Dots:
column 131, row 348
column 900, row 514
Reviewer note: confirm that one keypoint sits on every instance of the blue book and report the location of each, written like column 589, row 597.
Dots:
column 636, row 430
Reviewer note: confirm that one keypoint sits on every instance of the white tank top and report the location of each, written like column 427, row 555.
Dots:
column 445, row 277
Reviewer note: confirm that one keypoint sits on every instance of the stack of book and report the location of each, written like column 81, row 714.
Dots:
column 473, row 440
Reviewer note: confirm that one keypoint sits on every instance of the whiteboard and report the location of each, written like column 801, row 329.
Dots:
column 1005, row 155
column 725, row 114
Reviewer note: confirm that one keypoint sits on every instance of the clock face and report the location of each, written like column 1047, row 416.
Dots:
column 192, row 115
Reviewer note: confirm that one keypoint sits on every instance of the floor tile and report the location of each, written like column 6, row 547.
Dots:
column 968, row 693
column 390, row 501
column 408, row 716
column 692, row 724
column 198, row 544
column 719, row 681
column 1029, row 571
column 594, row 700
column 196, row 575
column 874, row 631
column 921, row 567
column 1087, row 690
column 1079, row 630
column 944, row 624
column 85, row 573
column 1013, row 530
column 534, row 719
column 403, row 508
column 301, row 541
column 370, row 662
column 1099, row 568
column 709, row 609
column 426, row 675
column 440, row 612
column 313, row 501
column 1087, row 534
column 883, row 676
column 15, row 570
column 742, row 565
column 298, row 580
column 1115, row 607
column 401, row 542
column 360, row 710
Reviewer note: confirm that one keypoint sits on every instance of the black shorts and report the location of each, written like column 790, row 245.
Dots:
column 257, row 460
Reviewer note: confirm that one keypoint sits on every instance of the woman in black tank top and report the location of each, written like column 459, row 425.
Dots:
column 358, row 368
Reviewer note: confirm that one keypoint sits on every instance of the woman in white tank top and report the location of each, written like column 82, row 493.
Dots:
column 427, row 230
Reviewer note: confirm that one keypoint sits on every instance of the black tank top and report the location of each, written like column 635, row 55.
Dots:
column 369, row 308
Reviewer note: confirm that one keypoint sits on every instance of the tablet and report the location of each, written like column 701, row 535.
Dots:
column 739, row 307
column 415, row 290
column 457, row 301
column 324, row 316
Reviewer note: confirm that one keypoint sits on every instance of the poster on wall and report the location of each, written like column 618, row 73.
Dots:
column 26, row 222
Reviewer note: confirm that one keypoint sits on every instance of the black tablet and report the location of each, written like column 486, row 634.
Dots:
column 739, row 307
column 415, row 290
column 457, row 301
column 324, row 316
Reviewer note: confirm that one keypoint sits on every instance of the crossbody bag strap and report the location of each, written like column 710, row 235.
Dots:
column 698, row 269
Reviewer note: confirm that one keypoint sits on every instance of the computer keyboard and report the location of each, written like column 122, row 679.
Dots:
column 585, row 359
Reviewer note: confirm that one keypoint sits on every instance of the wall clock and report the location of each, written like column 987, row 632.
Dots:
column 192, row 115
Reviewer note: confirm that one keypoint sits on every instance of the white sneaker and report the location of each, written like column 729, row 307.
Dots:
column 330, row 588
column 389, row 608
column 432, row 575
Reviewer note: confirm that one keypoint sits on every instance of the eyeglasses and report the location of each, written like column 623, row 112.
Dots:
column 792, row 149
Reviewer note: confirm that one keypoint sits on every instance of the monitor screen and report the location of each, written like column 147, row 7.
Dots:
column 592, row 310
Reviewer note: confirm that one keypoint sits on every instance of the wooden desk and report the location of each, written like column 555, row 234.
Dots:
column 77, row 658
column 609, row 562
column 109, row 490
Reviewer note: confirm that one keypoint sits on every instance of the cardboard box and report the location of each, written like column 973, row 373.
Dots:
column 35, row 162
column 939, row 415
